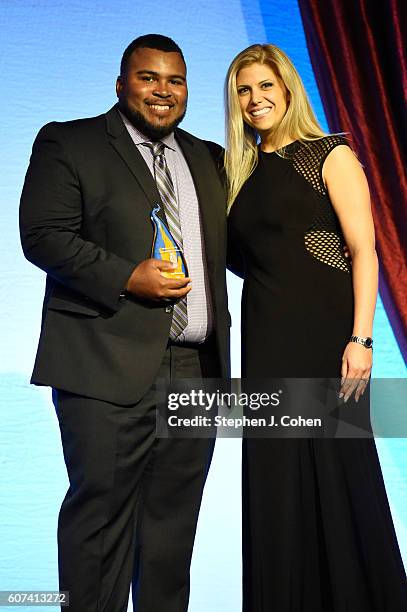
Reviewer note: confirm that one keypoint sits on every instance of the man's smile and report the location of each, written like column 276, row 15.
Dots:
column 159, row 109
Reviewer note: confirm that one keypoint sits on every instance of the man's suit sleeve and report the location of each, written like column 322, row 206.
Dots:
column 50, row 226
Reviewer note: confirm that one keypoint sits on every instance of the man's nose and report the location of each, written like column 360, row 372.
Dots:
column 162, row 91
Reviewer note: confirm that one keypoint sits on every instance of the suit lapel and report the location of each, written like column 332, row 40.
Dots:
column 199, row 164
column 121, row 141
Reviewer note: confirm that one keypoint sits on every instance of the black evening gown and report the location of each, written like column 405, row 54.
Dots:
column 317, row 530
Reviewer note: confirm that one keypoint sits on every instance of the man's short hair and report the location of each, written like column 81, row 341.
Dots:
column 149, row 41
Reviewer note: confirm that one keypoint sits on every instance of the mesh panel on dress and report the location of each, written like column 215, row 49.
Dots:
column 324, row 239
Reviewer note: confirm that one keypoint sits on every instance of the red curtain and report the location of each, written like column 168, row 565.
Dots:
column 359, row 60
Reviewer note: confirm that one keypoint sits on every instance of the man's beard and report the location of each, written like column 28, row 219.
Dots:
column 142, row 124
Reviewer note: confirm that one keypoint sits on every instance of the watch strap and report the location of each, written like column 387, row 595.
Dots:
column 366, row 342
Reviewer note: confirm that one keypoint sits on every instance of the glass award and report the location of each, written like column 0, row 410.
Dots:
column 165, row 247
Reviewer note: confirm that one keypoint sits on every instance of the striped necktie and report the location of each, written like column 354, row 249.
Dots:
column 166, row 189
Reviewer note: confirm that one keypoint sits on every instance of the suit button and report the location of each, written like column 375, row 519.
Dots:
column 168, row 309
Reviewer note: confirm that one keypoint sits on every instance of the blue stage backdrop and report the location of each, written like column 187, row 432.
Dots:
column 59, row 61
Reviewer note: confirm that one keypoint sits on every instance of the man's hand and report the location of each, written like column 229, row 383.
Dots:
column 148, row 283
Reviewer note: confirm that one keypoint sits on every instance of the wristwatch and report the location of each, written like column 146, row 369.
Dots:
column 366, row 342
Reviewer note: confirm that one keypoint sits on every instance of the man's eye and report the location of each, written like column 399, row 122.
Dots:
column 175, row 82
column 147, row 78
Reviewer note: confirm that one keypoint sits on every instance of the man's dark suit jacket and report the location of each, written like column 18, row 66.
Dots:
column 85, row 220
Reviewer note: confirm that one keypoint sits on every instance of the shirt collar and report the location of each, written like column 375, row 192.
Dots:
column 139, row 138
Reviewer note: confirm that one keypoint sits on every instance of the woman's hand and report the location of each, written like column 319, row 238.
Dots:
column 356, row 367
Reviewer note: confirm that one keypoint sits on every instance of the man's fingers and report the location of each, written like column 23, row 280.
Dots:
column 148, row 281
column 165, row 266
column 161, row 263
column 180, row 293
column 174, row 294
column 175, row 283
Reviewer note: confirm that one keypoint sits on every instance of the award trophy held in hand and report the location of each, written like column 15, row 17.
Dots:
column 165, row 247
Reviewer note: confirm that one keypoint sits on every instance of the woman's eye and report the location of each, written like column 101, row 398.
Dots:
column 242, row 90
column 268, row 84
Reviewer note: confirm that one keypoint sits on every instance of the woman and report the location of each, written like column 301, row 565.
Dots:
column 317, row 534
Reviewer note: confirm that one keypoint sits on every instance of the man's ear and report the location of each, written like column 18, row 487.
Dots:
column 119, row 86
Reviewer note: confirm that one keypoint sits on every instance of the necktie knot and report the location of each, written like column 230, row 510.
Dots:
column 157, row 148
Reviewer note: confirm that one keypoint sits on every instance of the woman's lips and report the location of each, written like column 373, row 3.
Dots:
column 260, row 112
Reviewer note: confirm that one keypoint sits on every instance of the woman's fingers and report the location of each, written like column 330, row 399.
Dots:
column 361, row 387
column 355, row 382
column 349, row 386
column 344, row 374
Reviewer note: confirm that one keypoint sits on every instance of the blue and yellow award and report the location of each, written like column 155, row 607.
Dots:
column 165, row 247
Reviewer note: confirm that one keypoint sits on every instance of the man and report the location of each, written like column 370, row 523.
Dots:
column 112, row 324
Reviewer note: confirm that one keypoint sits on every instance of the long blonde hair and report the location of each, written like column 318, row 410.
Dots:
column 299, row 121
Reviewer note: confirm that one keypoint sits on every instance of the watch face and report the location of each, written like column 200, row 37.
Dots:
column 368, row 343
